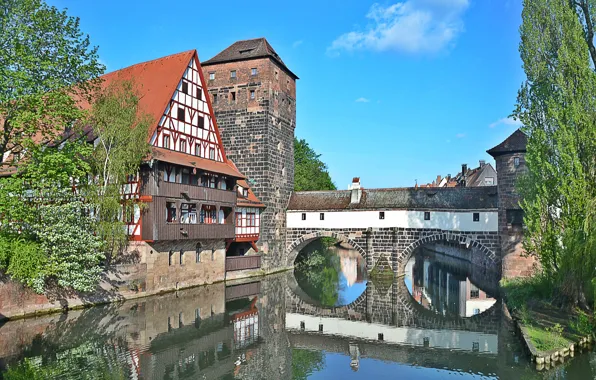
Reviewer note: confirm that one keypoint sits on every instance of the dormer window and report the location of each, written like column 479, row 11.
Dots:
column 212, row 76
column 233, row 74
column 245, row 193
column 253, row 71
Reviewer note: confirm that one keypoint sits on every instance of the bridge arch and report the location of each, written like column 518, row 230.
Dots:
column 298, row 244
column 468, row 242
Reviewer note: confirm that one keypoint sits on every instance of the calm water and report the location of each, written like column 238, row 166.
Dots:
column 443, row 320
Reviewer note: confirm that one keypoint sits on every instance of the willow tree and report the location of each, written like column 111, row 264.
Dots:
column 121, row 129
column 557, row 105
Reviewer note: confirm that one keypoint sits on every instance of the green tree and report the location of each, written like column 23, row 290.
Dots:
column 122, row 144
column 558, row 108
column 306, row 362
column 46, row 232
column 46, row 64
column 310, row 173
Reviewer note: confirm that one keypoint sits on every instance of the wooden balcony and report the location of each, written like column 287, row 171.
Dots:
column 177, row 231
column 234, row 263
column 243, row 290
column 199, row 193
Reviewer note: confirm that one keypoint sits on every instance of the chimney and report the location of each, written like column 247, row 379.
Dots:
column 356, row 190
column 482, row 163
column 464, row 174
column 439, row 180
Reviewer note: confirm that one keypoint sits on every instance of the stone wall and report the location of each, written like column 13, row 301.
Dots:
column 514, row 261
column 393, row 246
column 258, row 136
column 144, row 270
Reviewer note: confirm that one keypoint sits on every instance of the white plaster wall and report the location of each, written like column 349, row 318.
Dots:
column 445, row 220
column 449, row 339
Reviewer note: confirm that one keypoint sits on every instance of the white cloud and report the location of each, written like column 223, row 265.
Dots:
column 460, row 135
column 411, row 26
column 297, row 43
column 508, row 121
column 362, row 100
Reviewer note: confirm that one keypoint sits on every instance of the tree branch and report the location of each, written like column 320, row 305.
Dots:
column 583, row 5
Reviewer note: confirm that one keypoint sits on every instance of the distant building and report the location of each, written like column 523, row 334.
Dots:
column 483, row 175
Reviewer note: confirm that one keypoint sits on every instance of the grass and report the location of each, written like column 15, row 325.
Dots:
column 549, row 327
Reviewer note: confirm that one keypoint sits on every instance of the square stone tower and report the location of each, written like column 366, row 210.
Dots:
column 254, row 98
column 510, row 156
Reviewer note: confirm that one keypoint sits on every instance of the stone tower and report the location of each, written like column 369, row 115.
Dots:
column 254, row 98
column 510, row 156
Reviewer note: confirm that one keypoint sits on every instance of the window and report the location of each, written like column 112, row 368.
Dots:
column 233, row 74
column 489, row 181
column 199, row 93
column 169, row 174
column 426, row 215
column 380, row 336
column 202, row 122
column 245, row 193
column 238, row 219
column 252, row 94
column 233, row 97
column 185, row 87
column 214, row 98
column 212, row 153
column 188, row 213
column 251, row 219
column 381, row 214
column 303, row 216
column 170, row 262
column 198, row 149
column 170, row 212
column 212, row 76
column 476, row 217
column 198, row 253
column 476, row 345
column 185, row 176
column 276, row 75
column 212, row 258
column 516, row 162
column 166, row 141
column 183, row 145
column 322, row 216
column 181, row 114
column 474, row 291
column 181, row 257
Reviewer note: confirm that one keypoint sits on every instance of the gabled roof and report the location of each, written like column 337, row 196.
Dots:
column 155, row 80
column 249, row 49
column 516, row 143
column 429, row 198
column 251, row 200
column 184, row 159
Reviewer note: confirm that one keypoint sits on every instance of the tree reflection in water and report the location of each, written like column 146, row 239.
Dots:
column 329, row 274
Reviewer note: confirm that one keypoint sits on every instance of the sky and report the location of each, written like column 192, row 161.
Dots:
column 394, row 92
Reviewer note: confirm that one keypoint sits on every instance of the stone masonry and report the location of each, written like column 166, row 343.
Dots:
column 395, row 245
column 256, row 116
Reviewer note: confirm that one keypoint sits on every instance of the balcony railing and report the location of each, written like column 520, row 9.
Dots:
column 243, row 290
column 234, row 263
column 169, row 189
column 177, row 231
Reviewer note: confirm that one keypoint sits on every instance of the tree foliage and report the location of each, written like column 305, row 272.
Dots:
column 46, row 231
column 122, row 133
column 310, row 173
column 46, row 64
column 558, row 108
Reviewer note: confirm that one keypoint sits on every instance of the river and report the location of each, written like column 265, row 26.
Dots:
column 442, row 320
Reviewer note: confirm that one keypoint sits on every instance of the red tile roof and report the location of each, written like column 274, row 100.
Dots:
column 251, row 200
column 178, row 158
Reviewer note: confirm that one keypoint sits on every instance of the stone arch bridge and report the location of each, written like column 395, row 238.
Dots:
column 387, row 225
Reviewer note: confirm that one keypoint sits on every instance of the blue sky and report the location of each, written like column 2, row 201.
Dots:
column 390, row 91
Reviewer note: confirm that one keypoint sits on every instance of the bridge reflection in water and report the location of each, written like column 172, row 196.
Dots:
column 264, row 330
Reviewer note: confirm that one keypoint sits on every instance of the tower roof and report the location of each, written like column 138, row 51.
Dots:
column 516, row 143
column 246, row 50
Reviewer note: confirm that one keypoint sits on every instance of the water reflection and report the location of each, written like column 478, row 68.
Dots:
column 330, row 274
column 264, row 330
column 443, row 286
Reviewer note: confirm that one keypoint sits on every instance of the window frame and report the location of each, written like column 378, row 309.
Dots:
column 427, row 215
column 233, row 74
column 185, row 87
column 476, row 217
column 303, row 216
column 212, row 75
column 322, row 216
column 254, row 71
column 179, row 112
column 381, row 215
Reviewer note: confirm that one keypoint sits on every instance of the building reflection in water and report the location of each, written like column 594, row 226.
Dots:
column 352, row 265
column 444, row 287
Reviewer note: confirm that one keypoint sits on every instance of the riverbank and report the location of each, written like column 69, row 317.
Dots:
column 19, row 302
column 549, row 334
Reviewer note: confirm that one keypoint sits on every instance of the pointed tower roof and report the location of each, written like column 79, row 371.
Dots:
column 516, row 143
column 249, row 49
